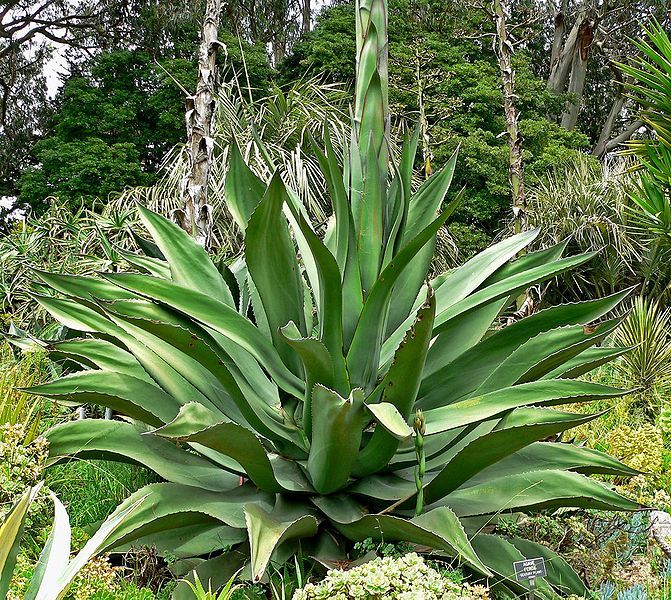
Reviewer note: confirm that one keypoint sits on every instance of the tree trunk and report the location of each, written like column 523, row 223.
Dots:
column 625, row 135
column 578, row 73
column 195, row 216
column 307, row 16
column 607, row 129
column 559, row 30
column 504, row 51
column 606, row 141
column 561, row 68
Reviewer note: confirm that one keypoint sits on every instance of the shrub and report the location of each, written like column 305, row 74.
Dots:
column 641, row 447
column 647, row 331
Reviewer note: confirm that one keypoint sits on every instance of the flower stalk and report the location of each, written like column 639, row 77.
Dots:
column 419, row 427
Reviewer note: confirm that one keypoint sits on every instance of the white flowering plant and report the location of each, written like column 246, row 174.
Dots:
column 406, row 578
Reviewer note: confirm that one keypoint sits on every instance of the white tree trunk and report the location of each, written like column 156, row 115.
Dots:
column 306, row 16
column 561, row 67
column 559, row 30
column 195, row 216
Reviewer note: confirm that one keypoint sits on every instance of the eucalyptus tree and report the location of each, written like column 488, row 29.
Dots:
column 597, row 32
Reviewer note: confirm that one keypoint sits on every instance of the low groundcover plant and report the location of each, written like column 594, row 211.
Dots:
column 405, row 578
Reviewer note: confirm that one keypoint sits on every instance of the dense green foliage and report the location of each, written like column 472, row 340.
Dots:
column 117, row 117
column 463, row 103
column 651, row 74
column 113, row 127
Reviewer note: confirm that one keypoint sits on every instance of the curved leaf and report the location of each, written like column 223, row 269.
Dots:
column 399, row 388
column 91, row 438
column 439, row 529
column 534, row 491
column 549, row 392
column 190, row 264
column 337, row 425
column 268, row 530
column 122, row 393
column 216, row 315
column 272, row 264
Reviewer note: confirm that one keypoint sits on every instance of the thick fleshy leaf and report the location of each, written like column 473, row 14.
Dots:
column 272, row 264
column 550, row 392
column 329, row 299
column 267, row 530
column 495, row 445
column 54, row 556
column 414, row 275
column 320, row 368
column 99, row 354
column 541, row 456
column 464, row 280
column 334, row 182
column 216, row 315
column 585, row 362
column 364, row 353
column 196, row 424
column 369, row 217
column 76, row 316
column 83, row 287
column 399, row 388
column 90, row 438
column 527, row 261
column 194, row 535
column 468, row 371
column 337, row 425
column 507, row 287
column 177, row 373
column 190, row 265
column 243, row 190
column 11, row 530
column 426, row 202
column 135, row 398
column 58, row 589
column 391, row 420
column 237, row 387
column 460, row 335
column 534, row 491
column 152, row 266
column 168, row 506
column 544, row 353
column 439, row 529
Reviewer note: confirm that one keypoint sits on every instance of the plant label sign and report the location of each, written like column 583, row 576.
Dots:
column 529, row 569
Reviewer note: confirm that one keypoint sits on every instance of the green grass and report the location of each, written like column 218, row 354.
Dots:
column 92, row 489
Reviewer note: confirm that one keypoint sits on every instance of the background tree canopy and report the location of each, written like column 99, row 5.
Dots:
column 120, row 110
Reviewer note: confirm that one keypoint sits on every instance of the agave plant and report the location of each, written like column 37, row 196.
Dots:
column 275, row 395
